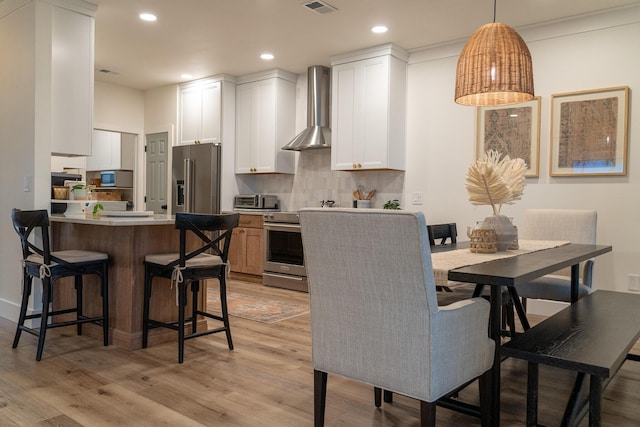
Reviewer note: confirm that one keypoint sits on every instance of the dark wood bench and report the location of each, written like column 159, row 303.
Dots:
column 592, row 337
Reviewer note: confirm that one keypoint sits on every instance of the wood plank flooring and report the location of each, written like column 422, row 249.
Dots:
column 266, row 381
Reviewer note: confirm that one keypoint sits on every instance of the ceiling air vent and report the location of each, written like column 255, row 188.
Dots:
column 319, row 7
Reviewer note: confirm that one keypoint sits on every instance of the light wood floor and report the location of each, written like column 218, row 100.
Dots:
column 266, row 381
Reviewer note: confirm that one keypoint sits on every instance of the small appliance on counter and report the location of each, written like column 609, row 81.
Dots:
column 116, row 178
column 256, row 202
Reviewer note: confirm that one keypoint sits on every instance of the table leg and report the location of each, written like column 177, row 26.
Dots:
column 595, row 401
column 495, row 334
column 577, row 401
column 532, row 394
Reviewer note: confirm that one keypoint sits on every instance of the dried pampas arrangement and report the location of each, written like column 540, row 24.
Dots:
column 495, row 181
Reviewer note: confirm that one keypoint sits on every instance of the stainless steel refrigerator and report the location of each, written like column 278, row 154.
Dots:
column 196, row 178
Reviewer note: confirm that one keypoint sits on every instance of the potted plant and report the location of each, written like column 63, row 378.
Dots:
column 78, row 192
column 392, row 204
column 96, row 209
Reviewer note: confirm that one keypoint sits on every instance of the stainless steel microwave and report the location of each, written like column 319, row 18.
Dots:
column 116, row 179
column 256, row 201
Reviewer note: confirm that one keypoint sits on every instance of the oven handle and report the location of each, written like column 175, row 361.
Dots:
column 284, row 276
column 295, row 228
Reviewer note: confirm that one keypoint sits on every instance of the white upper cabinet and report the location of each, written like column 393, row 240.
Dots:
column 265, row 122
column 71, row 80
column 199, row 112
column 111, row 151
column 369, row 109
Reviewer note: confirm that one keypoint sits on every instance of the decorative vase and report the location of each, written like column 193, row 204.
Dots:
column 482, row 238
column 514, row 245
column 79, row 194
column 506, row 233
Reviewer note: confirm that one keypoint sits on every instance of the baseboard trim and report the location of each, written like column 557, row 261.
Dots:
column 544, row 307
column 9, row 310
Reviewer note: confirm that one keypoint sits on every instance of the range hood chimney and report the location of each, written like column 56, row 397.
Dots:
column 317, row 134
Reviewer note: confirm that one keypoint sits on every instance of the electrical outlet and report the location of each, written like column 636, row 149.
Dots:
column 416, row 198
column 634, row 282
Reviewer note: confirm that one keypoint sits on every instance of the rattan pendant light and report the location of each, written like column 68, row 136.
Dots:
column 494, row 67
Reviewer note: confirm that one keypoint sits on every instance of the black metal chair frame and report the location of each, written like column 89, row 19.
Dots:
column 442, row 232
column 221, row 226
column 54, row 268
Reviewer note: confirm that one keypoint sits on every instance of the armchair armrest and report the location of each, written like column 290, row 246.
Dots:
column 587, row 273
column 461, row 347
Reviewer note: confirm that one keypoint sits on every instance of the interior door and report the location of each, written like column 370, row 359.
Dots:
column 156, row 194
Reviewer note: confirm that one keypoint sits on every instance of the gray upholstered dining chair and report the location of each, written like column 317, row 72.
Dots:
column 374, row 313
column 574, row 225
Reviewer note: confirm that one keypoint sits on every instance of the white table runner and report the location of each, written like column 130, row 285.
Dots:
column 443, row 262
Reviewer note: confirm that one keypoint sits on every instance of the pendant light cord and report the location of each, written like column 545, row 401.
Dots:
column 494, row 10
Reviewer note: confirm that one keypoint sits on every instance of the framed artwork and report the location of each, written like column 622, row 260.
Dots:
column 589, row 132
column 511, row 129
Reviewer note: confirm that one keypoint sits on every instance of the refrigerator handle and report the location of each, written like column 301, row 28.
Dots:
column 189, row 185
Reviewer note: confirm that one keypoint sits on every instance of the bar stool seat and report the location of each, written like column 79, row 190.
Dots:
column 72, row 256
column 198, row 261
column 39, row 262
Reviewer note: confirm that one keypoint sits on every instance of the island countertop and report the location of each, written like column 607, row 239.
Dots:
column 157, row 219
column 127, row 240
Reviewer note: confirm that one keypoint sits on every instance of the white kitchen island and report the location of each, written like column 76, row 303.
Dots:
column 126, row 240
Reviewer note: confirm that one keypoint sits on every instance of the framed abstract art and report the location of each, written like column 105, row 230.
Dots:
column 589, row 132
column 513, row 130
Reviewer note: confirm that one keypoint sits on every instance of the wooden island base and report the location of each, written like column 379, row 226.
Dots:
column 126, row 246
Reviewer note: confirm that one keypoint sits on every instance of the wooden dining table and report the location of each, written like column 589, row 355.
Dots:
column 509, row 272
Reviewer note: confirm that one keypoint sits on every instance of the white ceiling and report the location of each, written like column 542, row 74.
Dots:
column 209, row 37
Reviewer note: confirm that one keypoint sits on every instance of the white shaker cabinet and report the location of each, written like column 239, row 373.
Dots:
column 199, row 112
column 265, row 122
column 369, row 109
column 111, row 151
column 72, row 62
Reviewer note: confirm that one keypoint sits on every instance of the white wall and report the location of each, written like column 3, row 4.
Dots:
column 590, row 53
column 122, row 109
column 118, row 108
column 17, row 139
column 26, row 127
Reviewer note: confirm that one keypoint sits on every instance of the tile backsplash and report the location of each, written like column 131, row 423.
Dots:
column 314, row 181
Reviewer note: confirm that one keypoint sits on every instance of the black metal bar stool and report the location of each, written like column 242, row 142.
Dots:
column 39, row 262
column 208, row 261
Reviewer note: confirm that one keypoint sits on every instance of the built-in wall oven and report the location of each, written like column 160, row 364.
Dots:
column 283, row 255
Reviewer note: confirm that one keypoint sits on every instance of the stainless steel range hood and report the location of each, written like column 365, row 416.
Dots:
column 318, row 133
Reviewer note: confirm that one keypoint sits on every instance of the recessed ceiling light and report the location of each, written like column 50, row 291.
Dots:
column 150, row 17
column 186, row 76
column 379, row 29
column 267, row 56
